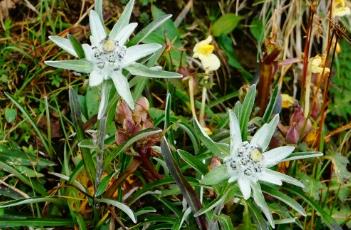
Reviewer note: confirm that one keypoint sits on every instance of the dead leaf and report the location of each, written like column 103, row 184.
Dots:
column 5, row 6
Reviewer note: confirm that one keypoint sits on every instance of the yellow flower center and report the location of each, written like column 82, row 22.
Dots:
column 108, row 45
column 256, row 155
column 205, row 49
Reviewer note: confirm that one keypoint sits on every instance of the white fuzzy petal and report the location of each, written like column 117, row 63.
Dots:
column 96, row 26
column 96, row 77
column 124, row 34
column 88, row 51
column 122, row 87
column 235, row 134
column 137, row 52
column 64, row 44
column 260, row 201
column 245, row 188
column 274, row 156
column 285, row 178
column 264, row 135
column 269, row 177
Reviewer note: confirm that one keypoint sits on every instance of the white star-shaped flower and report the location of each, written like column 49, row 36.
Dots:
column 108, row 55
column 249, row 162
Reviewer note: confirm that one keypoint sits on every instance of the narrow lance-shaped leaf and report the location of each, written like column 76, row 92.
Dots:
column 225, row 222
column 82, row 66
column 144, row 71
column 120, row 206
column 273, row 191
column 167, row 111
column 257, row 215
column 141, row 82
column 34, row 222
column 211, row 205
column 149, row 29
column 246, row 111
column 26, row 115
column 76, row 117
column 123, row 19
column 215, row 148
column 303, row 155
column 327, row 219
column 76, row 46
column 29, row 201
column 32, row 183
column 261, row 203
column 184, row 186
column 193, row 161
column 273, row 101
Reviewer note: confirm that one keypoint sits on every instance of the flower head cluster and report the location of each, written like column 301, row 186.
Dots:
column 204, row 51
column 108, row 55
column 249, row 162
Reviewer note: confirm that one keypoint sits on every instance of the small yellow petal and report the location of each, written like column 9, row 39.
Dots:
column 287, row 101
column 203, row 47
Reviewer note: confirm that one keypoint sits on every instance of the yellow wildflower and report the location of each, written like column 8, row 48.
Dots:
column 287, row 101
column 203, row 50
column 340, row 9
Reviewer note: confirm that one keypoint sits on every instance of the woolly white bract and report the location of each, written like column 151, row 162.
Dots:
column 249, row 162
column 108, row 55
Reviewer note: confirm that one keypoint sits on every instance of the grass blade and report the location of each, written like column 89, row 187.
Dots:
column 149, row 29
column 246, row 110
column 35, row 222
column 328, row 220
column 186, row 189
column 120, row 206
column 26, row 115
column 273, row 101
column 76, row 117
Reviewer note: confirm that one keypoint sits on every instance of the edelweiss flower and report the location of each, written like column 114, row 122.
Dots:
column 204, row 51
column 249, row 162
column 108, row 55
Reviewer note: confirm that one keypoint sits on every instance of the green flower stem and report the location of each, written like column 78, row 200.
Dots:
column 203, row 101
column 101, row 133
column 191, row 94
